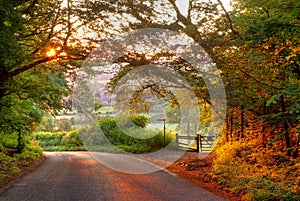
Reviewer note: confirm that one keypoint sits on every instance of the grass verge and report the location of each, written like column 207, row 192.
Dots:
column 14, row 167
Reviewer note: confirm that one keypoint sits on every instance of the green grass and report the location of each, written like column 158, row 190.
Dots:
column 65, row 116
column 169, row 126
column 172, row 126
column 105, row 109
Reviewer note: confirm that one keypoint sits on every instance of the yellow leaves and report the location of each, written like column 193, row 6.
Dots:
column 289, row 43
column 281, row 53
column 266, row 47
column 244, row 166
column 294, row 52
column 279, row 50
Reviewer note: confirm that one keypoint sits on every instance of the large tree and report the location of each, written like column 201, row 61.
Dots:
column 38, row 51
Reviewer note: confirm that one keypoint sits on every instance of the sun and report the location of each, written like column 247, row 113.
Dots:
column 51, row 52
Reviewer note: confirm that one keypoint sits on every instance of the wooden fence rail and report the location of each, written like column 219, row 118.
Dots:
column 202, row 142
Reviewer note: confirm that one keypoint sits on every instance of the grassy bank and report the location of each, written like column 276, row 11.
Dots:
column 12, row 164
column 257, row 173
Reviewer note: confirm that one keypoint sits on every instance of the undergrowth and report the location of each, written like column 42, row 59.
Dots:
column 257, row 173
column 12, row 164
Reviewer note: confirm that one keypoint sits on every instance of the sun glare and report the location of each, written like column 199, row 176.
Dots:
column 51, row 53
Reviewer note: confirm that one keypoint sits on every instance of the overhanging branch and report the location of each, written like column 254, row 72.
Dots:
column 228, row 18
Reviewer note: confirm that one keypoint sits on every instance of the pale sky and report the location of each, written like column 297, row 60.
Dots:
column 183, row 5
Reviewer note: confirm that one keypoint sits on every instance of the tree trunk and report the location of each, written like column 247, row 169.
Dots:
column 20, row 146
column 242, row 122
column 286, row 129
column 227, row 128
column 231, row 125
column 296, row 152
column 263, row 128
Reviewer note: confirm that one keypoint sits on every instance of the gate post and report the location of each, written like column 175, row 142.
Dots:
column 199, row 143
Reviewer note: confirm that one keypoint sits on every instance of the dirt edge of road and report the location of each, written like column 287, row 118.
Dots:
column 198, row 171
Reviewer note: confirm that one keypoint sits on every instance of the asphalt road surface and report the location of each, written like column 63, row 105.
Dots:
column 74, row 176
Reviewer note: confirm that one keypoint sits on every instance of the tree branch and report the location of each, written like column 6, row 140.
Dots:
column 190, row 9
column 5, row 77
column 256, row 80
column 229, row 19
column 180, row 17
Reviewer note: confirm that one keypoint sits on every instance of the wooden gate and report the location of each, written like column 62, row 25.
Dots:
column 203, row 143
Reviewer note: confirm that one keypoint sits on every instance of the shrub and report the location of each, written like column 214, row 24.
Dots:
column 134, row 139
column 140, row 120
column 132, row 121
column 59, row 141
column 63, row 124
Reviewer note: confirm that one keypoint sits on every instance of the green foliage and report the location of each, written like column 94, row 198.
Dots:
column 92, row 137
column 59, row 141
column 51, row 124
column 10, row 165
column 140, row 120
column 9, row 24
column 15, row 169
column 30, row 80
column 134, row 139
column 143, row 141
column 125, row 121
column 260, row 69
column 4, row 158
column 23, row 109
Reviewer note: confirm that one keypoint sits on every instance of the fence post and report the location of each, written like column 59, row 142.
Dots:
column 177, row 138
column 199, row 142
column 188, row 131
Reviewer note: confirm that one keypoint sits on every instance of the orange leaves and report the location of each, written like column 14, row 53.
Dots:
column 266, row 47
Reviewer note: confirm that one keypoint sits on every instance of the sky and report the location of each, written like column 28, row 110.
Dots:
column 183, row 5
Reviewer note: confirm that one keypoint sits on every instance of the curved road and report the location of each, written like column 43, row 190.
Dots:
column 74, row 176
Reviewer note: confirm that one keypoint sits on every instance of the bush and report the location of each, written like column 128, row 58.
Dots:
column 132, row 121
column 59, row 141
column 91, row 136
column 140, row 120
column 63, row 124
column 134, row 139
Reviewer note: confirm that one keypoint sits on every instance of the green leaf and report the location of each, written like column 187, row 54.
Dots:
column 7, row 23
